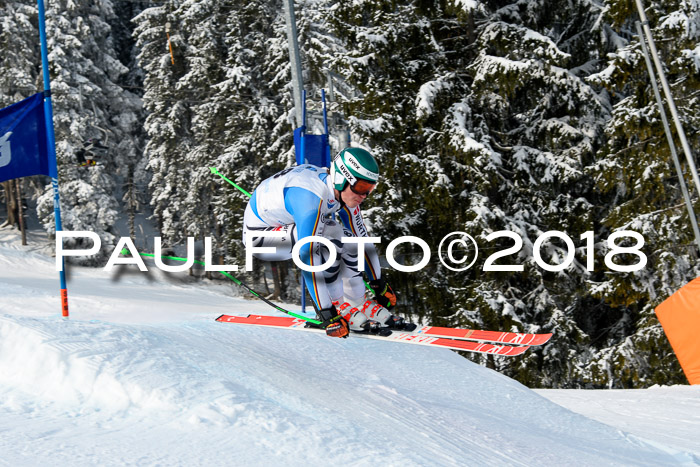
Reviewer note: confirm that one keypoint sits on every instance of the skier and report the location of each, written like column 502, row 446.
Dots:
column 302, row 201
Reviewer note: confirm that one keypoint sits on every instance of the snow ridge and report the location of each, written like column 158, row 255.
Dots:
column 142, row 374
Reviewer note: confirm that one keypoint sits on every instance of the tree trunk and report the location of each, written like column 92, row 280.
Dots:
column 131, row 201
column 284, row 272
column 11, row 202
column 20, row 214
column 219, row 249
column 267, row 287
column 471, row 29
column 277, row 280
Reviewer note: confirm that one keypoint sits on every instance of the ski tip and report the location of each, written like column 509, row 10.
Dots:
column 542, row 339
column 234, row 319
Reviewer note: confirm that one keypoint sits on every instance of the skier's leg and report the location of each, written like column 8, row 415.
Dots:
column 332, row 279
column 353, row 282
column 283, row 246
column 353, row 305
column 352, row 295
column 323, row 286
column 360, row 313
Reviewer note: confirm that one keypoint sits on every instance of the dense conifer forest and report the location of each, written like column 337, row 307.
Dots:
column 527, row 116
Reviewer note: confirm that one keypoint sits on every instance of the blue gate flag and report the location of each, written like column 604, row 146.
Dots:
column 313, row 150
column 23, row 148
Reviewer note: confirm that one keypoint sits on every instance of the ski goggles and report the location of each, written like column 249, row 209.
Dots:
column 362, row 187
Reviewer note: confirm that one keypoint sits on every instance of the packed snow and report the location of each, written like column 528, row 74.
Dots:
column 142, row 374
column 665, row 416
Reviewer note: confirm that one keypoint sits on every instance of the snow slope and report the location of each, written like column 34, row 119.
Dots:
column 668, row 416
column 141, row 374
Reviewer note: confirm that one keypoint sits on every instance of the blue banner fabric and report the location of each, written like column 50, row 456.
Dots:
column 23, row 149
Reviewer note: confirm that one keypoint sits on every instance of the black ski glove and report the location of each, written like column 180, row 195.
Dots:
column 334, row 324
column 383, row 293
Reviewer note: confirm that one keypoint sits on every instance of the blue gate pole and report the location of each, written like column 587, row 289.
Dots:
column 51, row 147
column 301, row 160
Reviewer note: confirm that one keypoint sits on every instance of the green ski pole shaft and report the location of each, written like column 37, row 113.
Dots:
column 214, row 170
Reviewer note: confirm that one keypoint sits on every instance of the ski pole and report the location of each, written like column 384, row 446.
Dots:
column 126, row 251
column 214, row 170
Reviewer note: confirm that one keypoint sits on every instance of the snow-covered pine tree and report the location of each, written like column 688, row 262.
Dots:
column 391, row 50
column 482, row 121
column 528, row 127
column 19, row 69
column 222, row 104
column 202, row 26
column 639, row 190
column 169, row 100
column 136, row 175
column 257, row 133
column 88, row 103
column 19, row 41
column 257, row 91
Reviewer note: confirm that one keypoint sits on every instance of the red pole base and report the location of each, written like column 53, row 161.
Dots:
column 64, row 302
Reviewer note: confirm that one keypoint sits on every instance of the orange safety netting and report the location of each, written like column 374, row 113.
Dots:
column 679, row 315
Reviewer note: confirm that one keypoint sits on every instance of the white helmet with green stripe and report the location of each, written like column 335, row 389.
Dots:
column 352, row 165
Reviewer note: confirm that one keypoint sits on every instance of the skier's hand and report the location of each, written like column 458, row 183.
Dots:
column 383, row 293
column 338, row 327
column 334, row 324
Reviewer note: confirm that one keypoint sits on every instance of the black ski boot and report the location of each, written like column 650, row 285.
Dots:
column 399, row 324
column 373, row 327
